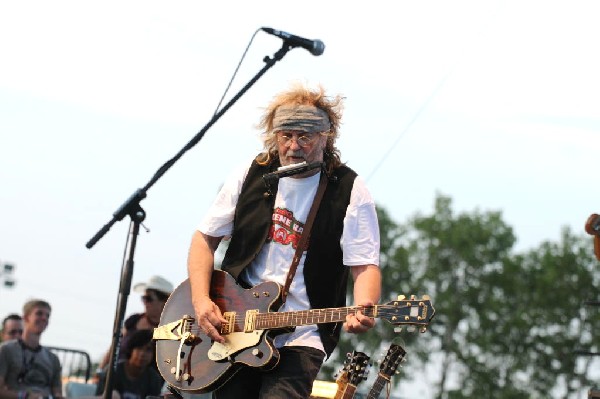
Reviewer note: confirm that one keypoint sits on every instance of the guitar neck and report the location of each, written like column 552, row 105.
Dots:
column 377, row 387
column 345, row 392
column 274, row 320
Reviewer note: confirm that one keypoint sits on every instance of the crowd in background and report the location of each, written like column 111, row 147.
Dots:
column 28, row 370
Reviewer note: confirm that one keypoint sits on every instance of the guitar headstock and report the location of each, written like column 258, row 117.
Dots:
column 392, row 359
column 411, row 312
column 355, row 368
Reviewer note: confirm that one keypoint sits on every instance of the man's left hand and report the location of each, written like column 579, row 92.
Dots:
column 359, row 323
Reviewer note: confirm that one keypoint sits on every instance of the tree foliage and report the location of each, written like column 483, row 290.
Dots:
column 506, row 323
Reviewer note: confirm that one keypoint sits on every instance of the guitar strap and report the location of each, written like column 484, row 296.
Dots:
column 303, row 242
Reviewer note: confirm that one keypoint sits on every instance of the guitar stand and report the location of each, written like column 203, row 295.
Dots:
column 174, row 393
column 131, row 207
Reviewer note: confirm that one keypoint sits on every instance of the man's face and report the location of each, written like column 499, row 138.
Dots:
column 13, row 329
column 153, row 304
column 37, row 320
column 296, row 147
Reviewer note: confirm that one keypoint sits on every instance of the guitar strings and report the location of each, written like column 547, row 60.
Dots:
column 292, row 317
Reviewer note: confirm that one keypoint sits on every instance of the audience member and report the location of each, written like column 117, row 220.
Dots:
column 27, row 369
column 135, row 378
column 12, row 327
column 155, row 292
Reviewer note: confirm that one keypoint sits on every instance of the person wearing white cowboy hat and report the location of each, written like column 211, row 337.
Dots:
column 155, row 292
column 156, row 283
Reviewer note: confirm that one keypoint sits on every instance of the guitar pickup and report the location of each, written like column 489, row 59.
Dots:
column 250, row 321
column 176, row 330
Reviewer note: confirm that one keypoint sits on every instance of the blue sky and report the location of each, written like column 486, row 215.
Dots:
column 494, row 103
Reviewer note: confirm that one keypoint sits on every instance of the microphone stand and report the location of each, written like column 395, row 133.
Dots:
column 131, row 207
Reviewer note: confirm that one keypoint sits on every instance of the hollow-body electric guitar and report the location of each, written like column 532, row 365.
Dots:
column 190, row 361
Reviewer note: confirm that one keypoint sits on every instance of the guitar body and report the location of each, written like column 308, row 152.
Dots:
column 203, row 364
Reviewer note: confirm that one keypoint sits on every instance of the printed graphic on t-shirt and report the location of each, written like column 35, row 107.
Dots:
column 285, row 229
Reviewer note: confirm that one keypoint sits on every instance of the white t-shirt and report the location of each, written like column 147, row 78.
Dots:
column 359, row 241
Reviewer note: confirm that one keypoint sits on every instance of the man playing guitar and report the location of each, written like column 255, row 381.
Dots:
column 265, row 221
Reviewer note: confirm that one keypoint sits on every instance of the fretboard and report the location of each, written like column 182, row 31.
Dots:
column 273, row 320
column 377, row 387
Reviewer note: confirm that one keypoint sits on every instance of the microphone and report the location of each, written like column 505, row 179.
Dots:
column 289, row 170
column 316, row 47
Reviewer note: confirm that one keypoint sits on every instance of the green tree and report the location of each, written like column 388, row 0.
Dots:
column 506, row 324
column 449, row 256
column 540, row 318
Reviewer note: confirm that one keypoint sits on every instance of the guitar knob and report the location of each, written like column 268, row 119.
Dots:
column 257, row 352
column 185, row 377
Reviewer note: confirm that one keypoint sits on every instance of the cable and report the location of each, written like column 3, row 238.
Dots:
column 391, row 148
column 423, row 106
column 236, row 71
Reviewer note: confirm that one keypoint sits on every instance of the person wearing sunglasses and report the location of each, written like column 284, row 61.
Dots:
column 155, row 293
column 27, row 369
column 265, row 221
column 12, row 327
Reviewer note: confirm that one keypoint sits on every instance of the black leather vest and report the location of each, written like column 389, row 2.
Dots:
column 325, row 275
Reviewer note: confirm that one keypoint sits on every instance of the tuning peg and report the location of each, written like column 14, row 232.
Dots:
column 401, row 297
column 413, row 297
column 397, row 330
column 426, row 297
column 423, row 329
column 411, row 329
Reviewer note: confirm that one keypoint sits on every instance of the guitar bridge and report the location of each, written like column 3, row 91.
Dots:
column 176, row 330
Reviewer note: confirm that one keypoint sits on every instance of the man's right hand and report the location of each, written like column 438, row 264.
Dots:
column 209, row 318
